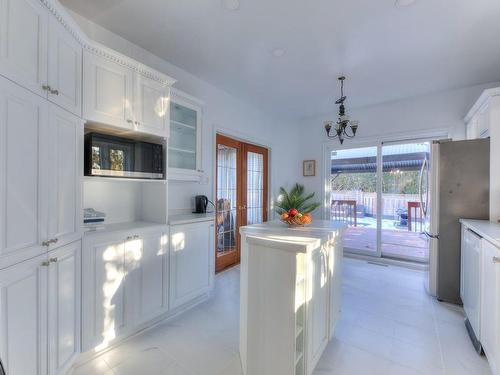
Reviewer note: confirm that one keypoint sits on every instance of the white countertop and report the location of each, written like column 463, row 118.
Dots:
column 190, row 218
column 280, row 236
column 485, row 228
column 90, row 230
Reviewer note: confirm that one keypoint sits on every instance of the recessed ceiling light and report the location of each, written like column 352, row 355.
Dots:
column 231, row 4
column 278, row 52
column 404, row 3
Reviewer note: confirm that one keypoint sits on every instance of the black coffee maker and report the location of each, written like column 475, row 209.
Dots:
column 201, row 203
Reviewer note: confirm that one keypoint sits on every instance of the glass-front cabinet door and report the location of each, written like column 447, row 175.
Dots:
column 184, row 145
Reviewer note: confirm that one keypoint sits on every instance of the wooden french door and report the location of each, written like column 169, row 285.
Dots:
column 241, row 195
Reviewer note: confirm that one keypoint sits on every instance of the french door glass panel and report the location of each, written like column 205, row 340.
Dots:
column 353, row 184
column 255, row 188
column 404, row 192
column 226, row 199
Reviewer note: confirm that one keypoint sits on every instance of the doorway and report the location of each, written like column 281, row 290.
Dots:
column 381, row 193
column 241, row 195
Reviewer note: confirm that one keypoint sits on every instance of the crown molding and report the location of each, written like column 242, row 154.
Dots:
column 481, row 102
column 65, row 19
column 175, row 93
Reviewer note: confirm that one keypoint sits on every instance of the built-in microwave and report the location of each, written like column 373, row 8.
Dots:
column 110, row 156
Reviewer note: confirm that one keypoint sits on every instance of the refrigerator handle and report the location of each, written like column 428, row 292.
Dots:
column 420, row 181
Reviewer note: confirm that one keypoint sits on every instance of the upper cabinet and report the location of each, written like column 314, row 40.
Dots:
column 65, row 68
column 120, row 93
column 23, row 43
column 39, row 53
column 107, row 91
column 184, row 147
column 151, row 106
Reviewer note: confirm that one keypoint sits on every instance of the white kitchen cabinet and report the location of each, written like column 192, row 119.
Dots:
column 23, row 317
column 490, row 305
column 64, row 297
column 64, row 68
column 470, row 278
column 184, row 147
column 151, row 106
column 23, row 173
column 147, row 275
column 23, row 43
column 65, row 172
column 125, row 283
column 103, row 265
column 107, row 91
column 191, row 261
column 115, row 94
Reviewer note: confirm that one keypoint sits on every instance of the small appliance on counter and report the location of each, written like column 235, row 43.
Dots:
column 91, row 216
column 201, row 204
column 111, row 156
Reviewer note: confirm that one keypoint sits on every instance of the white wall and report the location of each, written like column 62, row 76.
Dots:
column 223, row 112
column 440, row 112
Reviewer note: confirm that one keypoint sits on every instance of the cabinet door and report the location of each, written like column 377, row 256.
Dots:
column 23, row 43
column 23, row 122
column 490, row 300
column 103, row 316
column 107, row 92
column 318, row 308
column 191, row 250
column 65, row 68
column 65, row 170
column 471, row 278
column 146, row 276
column 185, row 137
column 64, row 307
column 23, row 317
column 151, row 106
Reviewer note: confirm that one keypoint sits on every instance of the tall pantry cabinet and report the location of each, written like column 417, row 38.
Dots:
column 40, row 199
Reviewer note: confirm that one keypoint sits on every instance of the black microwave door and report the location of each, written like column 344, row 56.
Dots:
column 112, row 158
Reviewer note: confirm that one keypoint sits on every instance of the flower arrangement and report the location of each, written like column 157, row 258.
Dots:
column 294, row 207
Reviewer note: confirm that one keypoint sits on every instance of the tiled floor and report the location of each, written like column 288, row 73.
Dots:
column 389, row 326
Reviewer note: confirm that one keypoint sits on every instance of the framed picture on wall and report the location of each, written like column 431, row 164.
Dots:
column 309, row 168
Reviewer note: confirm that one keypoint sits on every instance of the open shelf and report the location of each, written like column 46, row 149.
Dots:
column 183, row 124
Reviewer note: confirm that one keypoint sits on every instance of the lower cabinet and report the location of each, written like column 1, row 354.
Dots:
column 191, row 261
column 490, row 304
column 125, row 283
column 39, row 313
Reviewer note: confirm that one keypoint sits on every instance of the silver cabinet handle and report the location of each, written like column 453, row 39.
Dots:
column 130, row 121
column 54, row 92
column 45, row 264
column 136, row 236
column 46, row 243
column 137, row 122
column 496, row 260
column 53, row 260
column 46, row 88
column 130, row 238
column 54, row 240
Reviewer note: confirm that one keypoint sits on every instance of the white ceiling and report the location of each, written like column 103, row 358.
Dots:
column 386, row 52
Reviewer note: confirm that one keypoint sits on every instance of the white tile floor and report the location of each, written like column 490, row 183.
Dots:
column 389, row 326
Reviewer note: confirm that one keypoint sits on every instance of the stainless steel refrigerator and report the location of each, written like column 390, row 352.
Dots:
column 458, row 180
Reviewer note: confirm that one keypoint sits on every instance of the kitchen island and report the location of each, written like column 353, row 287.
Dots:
column 290, row 295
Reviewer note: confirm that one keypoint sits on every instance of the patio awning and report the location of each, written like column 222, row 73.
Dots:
column 403, row 162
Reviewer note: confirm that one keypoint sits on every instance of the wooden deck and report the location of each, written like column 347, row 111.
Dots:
column 395, row 244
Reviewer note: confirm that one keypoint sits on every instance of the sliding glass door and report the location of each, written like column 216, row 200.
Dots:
column 380, row 191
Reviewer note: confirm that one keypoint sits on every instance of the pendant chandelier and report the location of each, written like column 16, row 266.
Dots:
column 344, row 127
